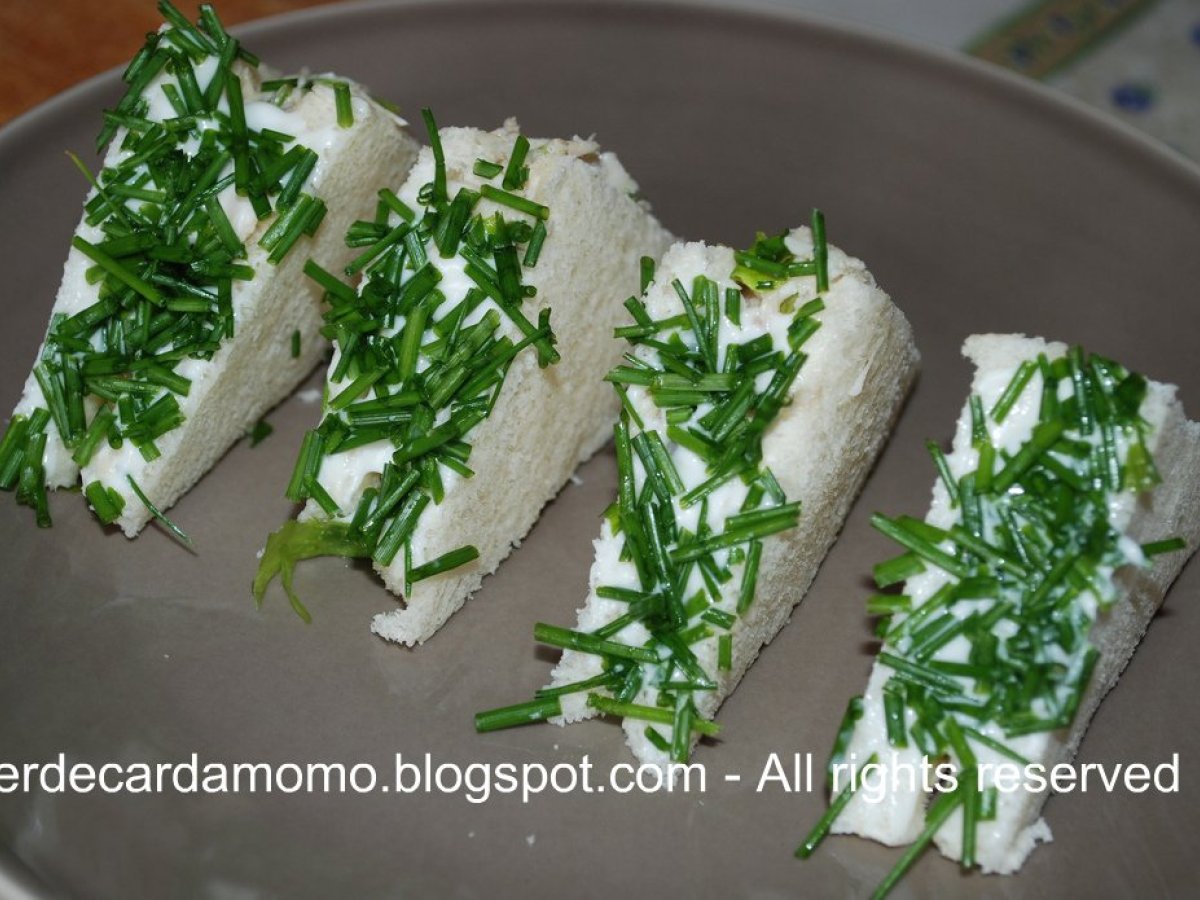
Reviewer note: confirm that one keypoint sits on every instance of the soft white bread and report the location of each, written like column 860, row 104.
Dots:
column 1172, row 508
column 546, row 420
column 861, row 363
column 255, row 368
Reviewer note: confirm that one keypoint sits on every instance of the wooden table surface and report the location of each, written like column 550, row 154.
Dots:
column 45, row 47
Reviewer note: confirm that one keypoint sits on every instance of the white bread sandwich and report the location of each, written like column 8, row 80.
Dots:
column 183, row 313
column 1055, row 529
column 467, row 378
column 759, row 389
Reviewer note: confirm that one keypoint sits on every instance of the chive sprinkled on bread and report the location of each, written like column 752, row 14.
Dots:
column 1068, row 503
column 756, row 390
column 472, row 331
column 183, row 315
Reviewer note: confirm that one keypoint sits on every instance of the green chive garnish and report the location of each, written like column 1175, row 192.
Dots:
column 820, row 250
column 485, row 169
column 341, row 99
column 649, row 713
column 725, row 652
column 260, row 432
column 518, row 714
column 514, row 175
column 174, row 529
column 1014, row 390
column 409, row 370
column 1157, row 548
column 515, row 201
column 1031, row 537
column 443, row 563
column 164, row 265
column 107, row 503
column 716, row 410
column 821, row 829
column 576, row 640
column 937, row 815
column 439, row 196
column 303, row 540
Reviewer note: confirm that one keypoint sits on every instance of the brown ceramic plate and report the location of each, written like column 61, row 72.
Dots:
column 980, row 202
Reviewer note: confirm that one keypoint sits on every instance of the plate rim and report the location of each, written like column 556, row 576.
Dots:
column 907, row 51
column 978, row 77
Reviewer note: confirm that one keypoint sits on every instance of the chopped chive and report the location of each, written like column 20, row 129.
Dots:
column 31, row 483
column 921, row 674
column 378, row 247
column 970, row 825
column 514, row 177
column 443, row 563
column 410, row 342
column 733, row 306
column 533, row 250
column 681, row 728
column 850, row 718
column 605, row 679
column 260, row 432
column 821, row 829
column 107, row 503
column 749, row 577
column 937, row 815
column 654, row 714
column 1014, row 390
column 781, row 519
column 515, row 201
column 308, row 464
column 995, row 745
column 906, row 537
column 117, row 270
column 1157, row 548
column 820, row 250
column 1044, row 436
column 302, row 223
column 154, row 511
column 887, row 604
column 396, row 205
column 943, row 468
column 725, row 652
column 586, row 643
column 439, row 195
column 486, row 169
column 657, row 739
column 893, row 713
column 647, row 273
column 12, row 451
column 397, row 532
column 518, row 714
column 342, row 104
column 719, row 618
column 314, row 489
column 355, row 389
